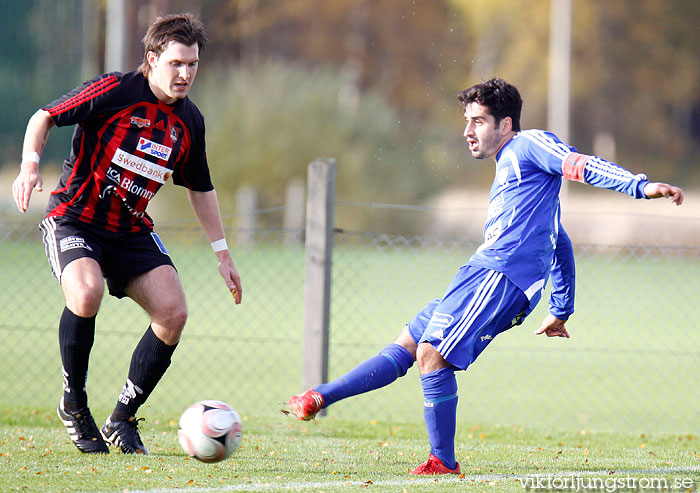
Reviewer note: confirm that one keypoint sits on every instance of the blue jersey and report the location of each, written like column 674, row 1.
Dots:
column 523, row 237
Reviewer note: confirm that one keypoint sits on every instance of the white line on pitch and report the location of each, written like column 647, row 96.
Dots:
column 481, row 478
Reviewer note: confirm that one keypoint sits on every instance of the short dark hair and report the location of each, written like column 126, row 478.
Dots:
column 183, row 28
column 502, row 100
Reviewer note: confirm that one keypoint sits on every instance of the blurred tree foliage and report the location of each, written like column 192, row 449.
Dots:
column 411, row 51
column 635, row 64
column 382, row 75
column 265, row 124
column 635, row 74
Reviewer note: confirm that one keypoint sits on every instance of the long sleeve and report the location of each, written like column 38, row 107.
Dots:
column 563, row 275
column 555, row 157
column 600, row 173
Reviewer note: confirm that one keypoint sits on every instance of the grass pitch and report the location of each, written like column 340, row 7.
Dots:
column 282, row 454
column 615, row 402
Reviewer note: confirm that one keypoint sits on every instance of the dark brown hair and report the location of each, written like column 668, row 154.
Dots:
column 183, row 28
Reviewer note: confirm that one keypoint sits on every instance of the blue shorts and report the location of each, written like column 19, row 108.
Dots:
column 478, row 305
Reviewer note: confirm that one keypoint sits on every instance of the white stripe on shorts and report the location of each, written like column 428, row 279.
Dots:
column 475, row 307
column 48, row 226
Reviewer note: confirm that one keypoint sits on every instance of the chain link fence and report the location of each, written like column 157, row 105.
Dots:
column 631, row 363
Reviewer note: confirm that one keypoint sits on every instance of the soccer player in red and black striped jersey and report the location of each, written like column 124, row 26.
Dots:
column 133, row 133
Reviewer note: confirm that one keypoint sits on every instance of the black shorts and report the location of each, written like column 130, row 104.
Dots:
column 121, row 256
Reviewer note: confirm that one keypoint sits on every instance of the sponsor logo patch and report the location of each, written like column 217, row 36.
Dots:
column 491, row 234
column 71, row 242
column 114, row 175
column 140, row 122
column 131, row 187
column 141, row 166
column 441, row 320
column 154, row 149
column 174, row 133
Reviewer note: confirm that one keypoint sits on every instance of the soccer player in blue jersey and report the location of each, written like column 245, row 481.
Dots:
column 524, row 245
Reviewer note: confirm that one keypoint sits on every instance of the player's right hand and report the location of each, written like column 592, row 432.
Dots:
column 28, row 180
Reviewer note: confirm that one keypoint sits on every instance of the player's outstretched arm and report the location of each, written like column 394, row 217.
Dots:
column 658, row 190
column 29, row 178
column 206, row 208
column 553, row 327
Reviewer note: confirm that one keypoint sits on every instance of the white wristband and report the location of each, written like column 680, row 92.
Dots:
column 31, row 156
column 219, row 245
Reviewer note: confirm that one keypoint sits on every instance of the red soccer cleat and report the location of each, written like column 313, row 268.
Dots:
column 434, row 466
column 305, row 406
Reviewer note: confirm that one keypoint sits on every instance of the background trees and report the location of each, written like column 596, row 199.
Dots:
column 373, row 83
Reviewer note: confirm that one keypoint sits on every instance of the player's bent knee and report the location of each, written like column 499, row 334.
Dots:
column 169, row 329
column 84, row 301
column 174, row 319
column 429, row 359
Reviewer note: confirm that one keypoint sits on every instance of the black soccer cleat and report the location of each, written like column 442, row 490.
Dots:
column 124, row 434
column 82, row 430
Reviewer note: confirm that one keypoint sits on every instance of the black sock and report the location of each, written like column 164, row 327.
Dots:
column 148, row 364
column 75, row 337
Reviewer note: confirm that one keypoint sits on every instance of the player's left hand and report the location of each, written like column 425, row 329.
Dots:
column 228, row 271
column 658, row 190
column 553, row 327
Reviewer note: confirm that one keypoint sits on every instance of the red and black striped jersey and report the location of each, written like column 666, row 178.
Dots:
column 126, row 145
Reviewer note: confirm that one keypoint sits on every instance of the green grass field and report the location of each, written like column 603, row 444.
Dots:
column 619, row 396
column 338, row 455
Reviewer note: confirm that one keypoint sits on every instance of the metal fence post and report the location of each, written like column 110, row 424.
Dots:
column 319, row 236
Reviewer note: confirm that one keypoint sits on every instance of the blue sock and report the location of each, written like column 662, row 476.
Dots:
column 440, row 413
column 391, row 363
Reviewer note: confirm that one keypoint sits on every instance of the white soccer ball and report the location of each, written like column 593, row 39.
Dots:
column 210, row 431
